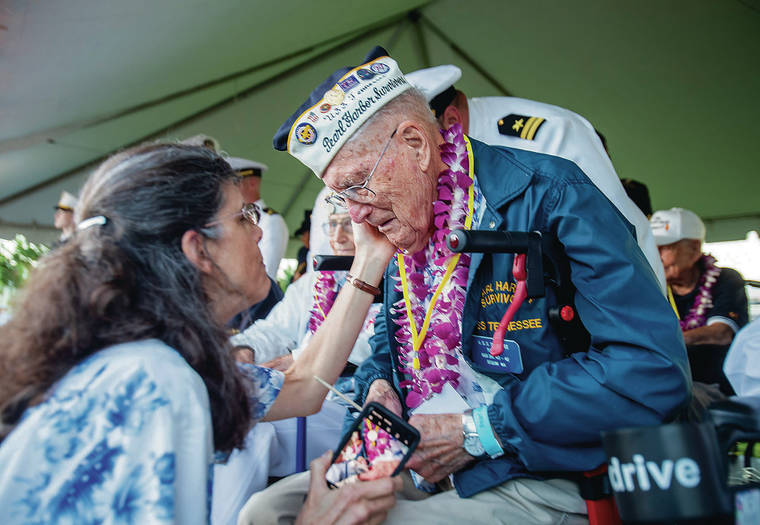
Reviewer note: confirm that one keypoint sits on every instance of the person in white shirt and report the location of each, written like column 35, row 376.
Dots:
column 275, row 232
column 534, row 126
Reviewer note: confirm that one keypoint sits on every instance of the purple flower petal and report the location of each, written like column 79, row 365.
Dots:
column 440, row 207
column 448, row 158
column 413, row 399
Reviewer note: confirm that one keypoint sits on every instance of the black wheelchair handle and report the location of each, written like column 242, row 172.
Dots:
column 485, row 241
column 333, row 263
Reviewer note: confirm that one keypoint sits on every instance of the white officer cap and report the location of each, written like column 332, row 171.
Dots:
column 437, row 84
column 675, row 224
column 67, row 202
column 246, row 167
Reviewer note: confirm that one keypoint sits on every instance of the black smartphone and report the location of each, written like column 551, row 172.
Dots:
column 377, row 446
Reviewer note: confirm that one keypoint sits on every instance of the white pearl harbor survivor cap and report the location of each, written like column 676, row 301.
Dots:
column 338, row 107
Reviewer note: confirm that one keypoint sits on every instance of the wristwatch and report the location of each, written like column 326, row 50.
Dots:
column 472, row 444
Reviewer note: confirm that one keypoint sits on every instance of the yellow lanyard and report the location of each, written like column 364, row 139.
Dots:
column 419, row 338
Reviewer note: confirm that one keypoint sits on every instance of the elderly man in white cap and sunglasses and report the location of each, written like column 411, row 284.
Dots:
column 510, row 431
column 711, row 301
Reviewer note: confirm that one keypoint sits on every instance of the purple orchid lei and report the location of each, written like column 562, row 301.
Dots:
column 703, row 301
column 438, row 358
column 326, row 289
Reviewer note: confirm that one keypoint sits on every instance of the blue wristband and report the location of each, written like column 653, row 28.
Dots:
column 483, row 426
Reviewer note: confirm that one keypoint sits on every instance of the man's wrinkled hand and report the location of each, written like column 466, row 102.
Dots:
column 381, row 391
column 440, row 451
column 370, row 242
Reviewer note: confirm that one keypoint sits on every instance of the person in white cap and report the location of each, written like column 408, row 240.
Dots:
column 275, row 239
column 493, row 424
column 711, row 301
column 63, row 219
column 533, row 126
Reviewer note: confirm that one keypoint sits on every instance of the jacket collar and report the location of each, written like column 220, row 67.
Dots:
column 500, row 175
column 501, row 179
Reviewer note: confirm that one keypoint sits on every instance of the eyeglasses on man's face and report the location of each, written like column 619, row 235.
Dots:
column 331, row 226
column 250, row 212
column 359, row 192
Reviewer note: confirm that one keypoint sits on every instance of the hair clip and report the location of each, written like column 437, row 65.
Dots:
column 98, row 220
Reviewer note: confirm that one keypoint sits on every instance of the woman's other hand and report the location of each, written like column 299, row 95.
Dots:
column 360, row 502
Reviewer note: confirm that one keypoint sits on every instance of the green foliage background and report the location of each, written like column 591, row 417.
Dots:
column 17, row 257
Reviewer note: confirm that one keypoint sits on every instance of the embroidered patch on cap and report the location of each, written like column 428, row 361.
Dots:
column 334, row 96
column 348, row 83
column 365, row 74
column 306, row 134
column 379, row 68
column 522, row 126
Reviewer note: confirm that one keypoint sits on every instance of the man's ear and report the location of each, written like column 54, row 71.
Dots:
column 451, row 116
column 696, row 249
column 414, row 136
column 194, row 250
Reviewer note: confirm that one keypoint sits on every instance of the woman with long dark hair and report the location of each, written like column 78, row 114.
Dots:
column 117, row 387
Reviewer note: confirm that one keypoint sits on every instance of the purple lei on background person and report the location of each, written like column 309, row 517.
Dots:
column 440, row 353
column 703, row 300
column 326, row 289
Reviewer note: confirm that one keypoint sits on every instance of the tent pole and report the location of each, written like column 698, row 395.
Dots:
column 396, row 34
column 467, row 58
column 415, row 16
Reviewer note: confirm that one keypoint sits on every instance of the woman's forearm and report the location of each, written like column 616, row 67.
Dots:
column 326, row 354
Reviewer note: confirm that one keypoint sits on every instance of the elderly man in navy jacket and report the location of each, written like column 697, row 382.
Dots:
column 512, row 430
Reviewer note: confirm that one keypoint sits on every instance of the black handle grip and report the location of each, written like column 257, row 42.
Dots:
column 331, row 263
column 486, row 241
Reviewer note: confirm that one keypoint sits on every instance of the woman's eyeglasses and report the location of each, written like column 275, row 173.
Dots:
column 250, row 212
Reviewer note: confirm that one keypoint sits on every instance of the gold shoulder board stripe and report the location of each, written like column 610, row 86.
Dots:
column 529, row 131
column 522, row 126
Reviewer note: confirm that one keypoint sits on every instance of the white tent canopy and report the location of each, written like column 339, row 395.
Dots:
column 673, row 85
